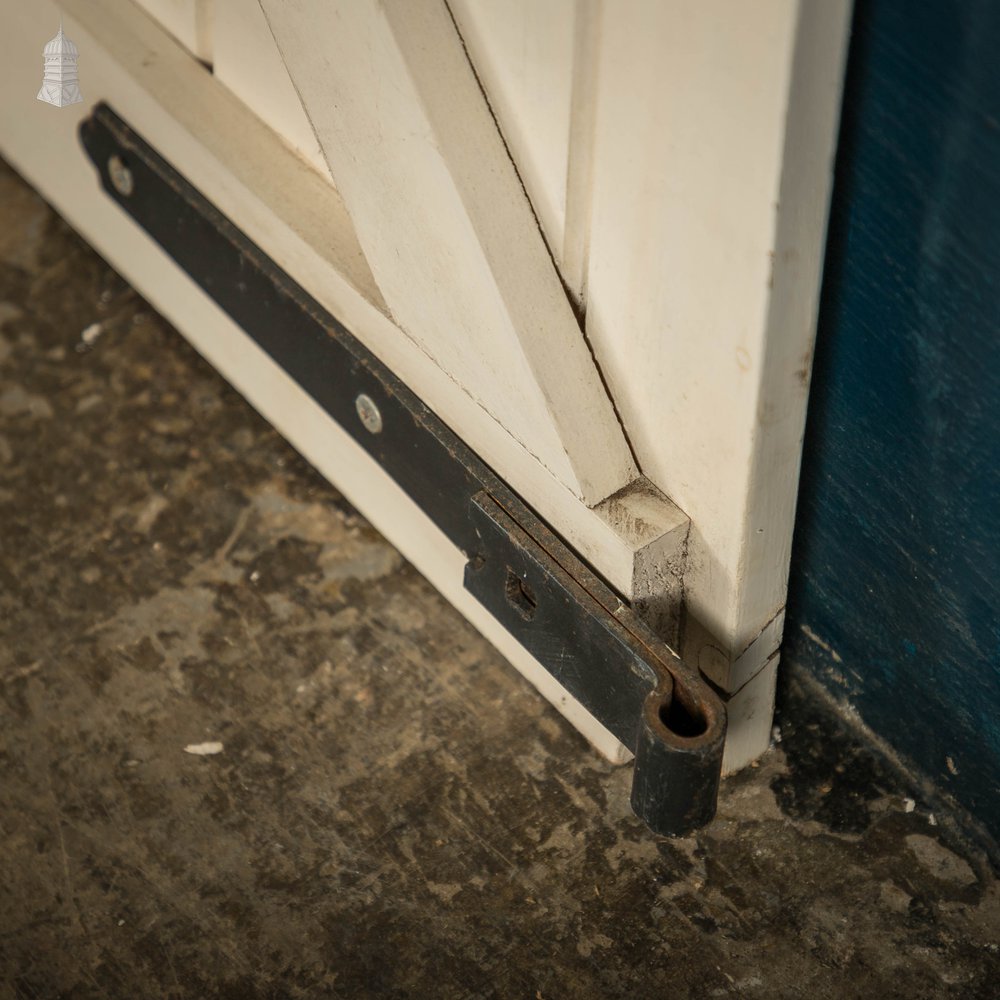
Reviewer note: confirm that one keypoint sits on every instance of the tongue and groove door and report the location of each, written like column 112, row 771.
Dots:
column 662, row 168
column 587, row 233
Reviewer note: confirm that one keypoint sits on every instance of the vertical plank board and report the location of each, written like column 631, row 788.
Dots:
column 189, row 21
column 246, row 59
column 714, row 139
column 537, row 63
column 522, row 52
column 582, row 137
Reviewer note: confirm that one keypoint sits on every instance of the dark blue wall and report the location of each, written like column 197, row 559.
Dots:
column 896, row 565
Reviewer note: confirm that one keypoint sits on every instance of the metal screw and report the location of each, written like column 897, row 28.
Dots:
column 121, row 176
column 369, row 414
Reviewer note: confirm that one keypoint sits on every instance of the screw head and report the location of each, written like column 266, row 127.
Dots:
column 369, row 414
column 121, row 176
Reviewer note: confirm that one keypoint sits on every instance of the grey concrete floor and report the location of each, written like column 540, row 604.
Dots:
column 395, row 812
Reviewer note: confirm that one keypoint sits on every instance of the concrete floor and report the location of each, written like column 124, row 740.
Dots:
column 394, row 812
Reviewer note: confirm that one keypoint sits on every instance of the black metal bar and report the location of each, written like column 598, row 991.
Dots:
column 571, row 621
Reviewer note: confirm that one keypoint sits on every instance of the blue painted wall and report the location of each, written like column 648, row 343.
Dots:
column 895, row 590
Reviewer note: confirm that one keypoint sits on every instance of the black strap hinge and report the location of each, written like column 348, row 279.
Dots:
column 569, row 619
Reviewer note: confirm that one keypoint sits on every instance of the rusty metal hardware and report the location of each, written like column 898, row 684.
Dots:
column 570, row 620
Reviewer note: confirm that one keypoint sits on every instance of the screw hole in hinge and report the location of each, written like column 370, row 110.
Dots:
column 520, row 596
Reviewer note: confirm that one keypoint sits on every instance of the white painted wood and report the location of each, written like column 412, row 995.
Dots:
column 522, row 52
column 582, row 136
column 445, row 224
column 246, row 59
column 537, row 64
column 703, row 334
column 684, row 198
column 189, row 21
column 299, row 220
column 750, row 713
column 43, row 146
column 714, row 142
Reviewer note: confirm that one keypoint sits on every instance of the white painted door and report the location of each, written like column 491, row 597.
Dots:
column 588, row 233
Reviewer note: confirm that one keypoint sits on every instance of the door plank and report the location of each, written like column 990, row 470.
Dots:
column 715, row 134
column 446, row 227
column 189, row 21
column 537, row 64
column 522, row 52
column 246, row 59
